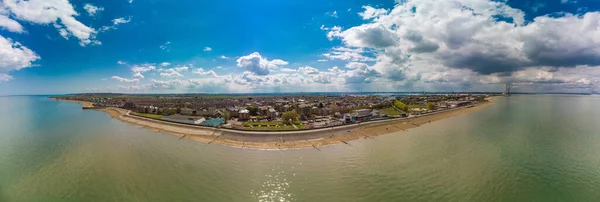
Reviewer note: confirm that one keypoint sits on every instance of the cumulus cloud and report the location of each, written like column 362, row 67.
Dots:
column 142, row 68
column 116, row 22
column 165, row 46
column 14, row 56
column 5, row 78
column 259, row 65
column 173, row 72
column 371, row 12
column 465, row 42
column 125, row 80
column 91, row 9
column 348, row 54
column 59, row 13
column 224, row 57
column 206, row 49
column 308, row 70
column 164, row 64
column 10, row 24
column 201, row 72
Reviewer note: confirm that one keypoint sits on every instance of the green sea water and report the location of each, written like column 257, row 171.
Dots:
column 521, row 148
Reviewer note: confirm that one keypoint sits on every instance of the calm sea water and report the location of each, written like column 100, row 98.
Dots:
column 521, row 148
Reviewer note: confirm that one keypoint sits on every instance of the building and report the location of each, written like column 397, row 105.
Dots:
column 455, row 104
column 362, row 114
column 272, row 114
column 184, row 119
column 507, row 89
column 188, row 111
column 214, row 122
column 244, row 114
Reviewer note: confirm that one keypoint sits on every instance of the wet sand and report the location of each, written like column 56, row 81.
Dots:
column 286, row 139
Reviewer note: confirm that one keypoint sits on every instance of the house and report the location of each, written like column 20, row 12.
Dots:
column 214, row 122
column 454, row 104
column 188, row 111
column 244, row 114
column 184, row 119
column 272, row 114
column 362, row 114
column 304, row 109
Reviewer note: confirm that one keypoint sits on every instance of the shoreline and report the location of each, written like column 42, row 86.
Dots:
column 314, row 138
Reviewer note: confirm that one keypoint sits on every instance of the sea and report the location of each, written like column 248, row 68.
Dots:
column 520, row 148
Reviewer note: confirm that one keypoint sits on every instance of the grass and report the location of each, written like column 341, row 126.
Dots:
column 273, row 125
column 390, row 111
column 152, row 116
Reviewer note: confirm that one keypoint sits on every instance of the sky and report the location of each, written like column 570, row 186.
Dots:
column 241, row 46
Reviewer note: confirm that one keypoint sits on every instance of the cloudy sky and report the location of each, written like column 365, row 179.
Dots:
column 239, row 46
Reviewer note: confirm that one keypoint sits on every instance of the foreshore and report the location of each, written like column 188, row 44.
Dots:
column 313, row 138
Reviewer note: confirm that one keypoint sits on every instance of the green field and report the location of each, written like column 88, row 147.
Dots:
column 152, row 116
column 273, row 125
column 390, row 111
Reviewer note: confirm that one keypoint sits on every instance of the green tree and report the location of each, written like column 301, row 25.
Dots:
column 226, row 115
column 321, row 105
column 129, row 105
column 401, row 105
column 430, row 106
column 253, row 110
column 289, row 116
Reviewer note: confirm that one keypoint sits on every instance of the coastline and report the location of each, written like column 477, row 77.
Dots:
column 84, row 104
column 283, row 139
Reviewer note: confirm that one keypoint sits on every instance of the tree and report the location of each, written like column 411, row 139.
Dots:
column 321, row 105
column 226, row 115
column 289, row 116
column 129, row 105
column 253, row 110
column 401, row 105
column 430, row 106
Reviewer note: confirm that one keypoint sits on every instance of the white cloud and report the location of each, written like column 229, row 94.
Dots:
column 367, row 36
column 121, row 62
column 206, row 49
column 308, row 70
column 219, row 67
column 348, row 54
column 5, row 78
column 322, row 60
column 201, row 72
column 355, row 65
column 130, row 1
column 10, row 24
column 165, row 46
column 460, row 43
column 91, row 9
column 224, row 57
column 137, row 75
column 181, row 69
column 125, row 80
column 332, row 14
column 173, row 72
column 257, row 64
column 143, row 68
column 371, row 12
column 164, row 64
column 116, row 22
column 568, row 1
column 60, row 13
column 14, row 56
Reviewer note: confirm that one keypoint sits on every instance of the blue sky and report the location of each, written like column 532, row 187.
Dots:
column 159, row 46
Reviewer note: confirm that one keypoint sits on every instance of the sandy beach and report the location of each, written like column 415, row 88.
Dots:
column 284, row 139
column 84, row 104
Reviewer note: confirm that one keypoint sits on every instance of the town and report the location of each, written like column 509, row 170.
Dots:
column 280, row 111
